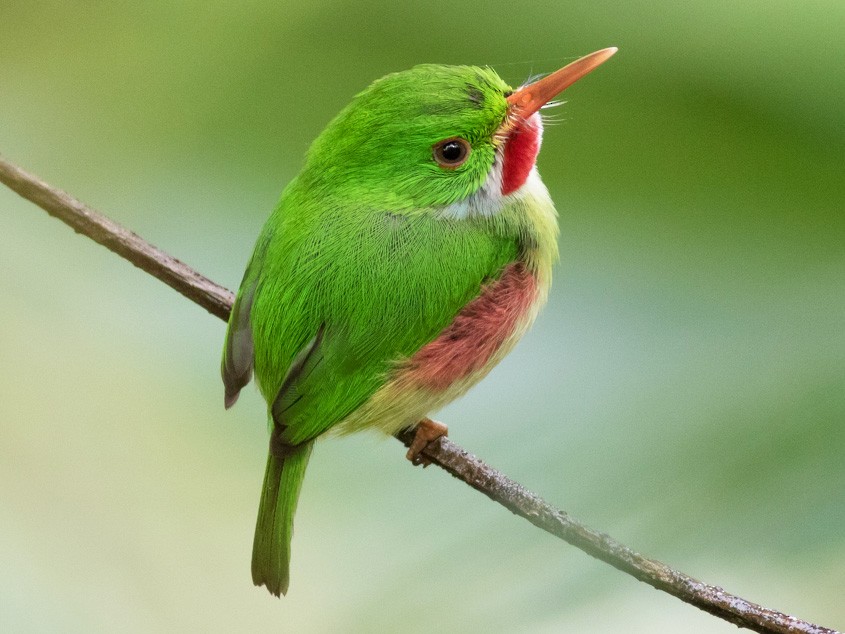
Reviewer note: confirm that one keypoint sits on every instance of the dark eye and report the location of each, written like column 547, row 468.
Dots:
column 451, row 153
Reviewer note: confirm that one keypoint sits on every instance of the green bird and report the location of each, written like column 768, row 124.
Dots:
column 400, row 265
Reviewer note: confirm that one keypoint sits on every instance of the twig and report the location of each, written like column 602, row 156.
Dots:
column 82, row 219
column 444, row 453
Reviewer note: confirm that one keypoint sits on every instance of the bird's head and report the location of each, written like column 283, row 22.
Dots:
column 438, row 137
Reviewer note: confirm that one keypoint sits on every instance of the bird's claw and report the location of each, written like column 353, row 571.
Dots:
column 426, row 431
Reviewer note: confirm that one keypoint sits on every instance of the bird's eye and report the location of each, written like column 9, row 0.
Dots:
column 451, row 153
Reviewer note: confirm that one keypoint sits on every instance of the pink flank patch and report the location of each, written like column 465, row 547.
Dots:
column 521, row 150
column 478, row 331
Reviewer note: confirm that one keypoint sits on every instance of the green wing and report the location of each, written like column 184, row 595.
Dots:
column 336, row 298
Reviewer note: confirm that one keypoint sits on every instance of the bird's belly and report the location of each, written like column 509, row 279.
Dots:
column 468, row 345
column 478, row 338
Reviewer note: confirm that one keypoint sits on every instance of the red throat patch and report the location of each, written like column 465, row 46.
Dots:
column 476, row 333
column 521, row 151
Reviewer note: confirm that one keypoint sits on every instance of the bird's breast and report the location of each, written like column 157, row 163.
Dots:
column 482, row 332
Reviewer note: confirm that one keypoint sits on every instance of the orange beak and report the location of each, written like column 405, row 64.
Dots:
column 529, row 99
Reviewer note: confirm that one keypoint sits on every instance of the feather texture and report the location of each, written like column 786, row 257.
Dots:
column 384, row 286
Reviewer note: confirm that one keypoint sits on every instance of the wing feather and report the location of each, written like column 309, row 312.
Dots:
column 341, row 298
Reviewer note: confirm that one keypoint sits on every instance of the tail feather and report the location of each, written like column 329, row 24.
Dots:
column 273, row 532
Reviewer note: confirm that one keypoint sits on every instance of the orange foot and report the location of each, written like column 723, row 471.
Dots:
column 426, row 431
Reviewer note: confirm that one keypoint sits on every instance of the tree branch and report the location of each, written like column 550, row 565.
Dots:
column 444, row 453
column 82, row 219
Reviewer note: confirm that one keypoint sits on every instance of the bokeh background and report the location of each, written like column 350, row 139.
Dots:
column 684, row 390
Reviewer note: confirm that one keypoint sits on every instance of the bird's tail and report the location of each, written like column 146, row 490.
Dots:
column 273, row 532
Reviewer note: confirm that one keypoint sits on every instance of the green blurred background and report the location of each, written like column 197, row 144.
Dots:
column 684, row 390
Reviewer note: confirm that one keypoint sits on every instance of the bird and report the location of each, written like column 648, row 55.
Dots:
column 411, row 252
